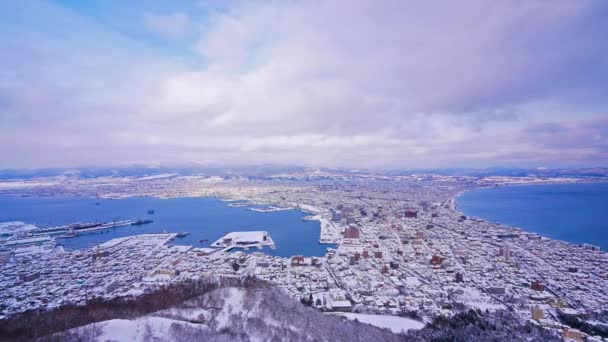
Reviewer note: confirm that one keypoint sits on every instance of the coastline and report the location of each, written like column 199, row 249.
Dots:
column 454, row 206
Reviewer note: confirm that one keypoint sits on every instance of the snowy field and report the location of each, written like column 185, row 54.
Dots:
column 395, row 324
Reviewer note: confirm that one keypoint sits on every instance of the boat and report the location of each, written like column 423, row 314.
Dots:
column 182, row 234
column 140, row 222
column 203, row 240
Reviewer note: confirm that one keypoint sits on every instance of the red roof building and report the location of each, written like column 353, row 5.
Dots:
column 351, row 233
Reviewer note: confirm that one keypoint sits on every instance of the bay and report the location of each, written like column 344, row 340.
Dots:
column 577, row 213
column 204, row 218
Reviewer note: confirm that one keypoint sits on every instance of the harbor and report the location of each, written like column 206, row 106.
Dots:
column 33, row 239
column 197, row 221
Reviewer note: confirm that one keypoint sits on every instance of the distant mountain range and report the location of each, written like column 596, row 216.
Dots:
column 286, row 172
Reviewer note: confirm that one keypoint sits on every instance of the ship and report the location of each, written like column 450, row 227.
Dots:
column 150, row 211
column 182, row 234
column 140, row 222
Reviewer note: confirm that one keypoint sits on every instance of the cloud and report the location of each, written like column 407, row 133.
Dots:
column 324, row 83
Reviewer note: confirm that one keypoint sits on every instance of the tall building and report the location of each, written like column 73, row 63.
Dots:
column 505, row 253
column 336, row 215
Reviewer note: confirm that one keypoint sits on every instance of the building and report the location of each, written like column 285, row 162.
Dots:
column 537, row 313
column 29, row 276
column 111, row 286
column 591, row 247
column 363, row 265
column 436, row 260
column 336, row 215
column 351, row 233
column 244, row 239
column 163, row 271
column 459, row 277
column 338, row 300
column 297, row 260
column 99, row 255
column 505, row 253
column 410, row 214
column 536, row 286
column 573, row 334
column 348, row 211
column 496, row 290
column 5, row 254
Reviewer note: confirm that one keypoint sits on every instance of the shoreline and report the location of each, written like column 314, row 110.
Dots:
column 454, row 198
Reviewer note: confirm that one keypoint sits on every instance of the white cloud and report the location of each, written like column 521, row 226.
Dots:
column 335, row 83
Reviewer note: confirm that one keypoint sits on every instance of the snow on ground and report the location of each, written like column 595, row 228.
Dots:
column 187, row 314
column 412, row 281
column 233, row 304
column 15, row 227
column 395, row 324
column 140, row 329
column 163, row 175
column 243, row 238
column 329, row 232
column 23, row 184
column 113, row 242
column 310, row 209
column 478, row 300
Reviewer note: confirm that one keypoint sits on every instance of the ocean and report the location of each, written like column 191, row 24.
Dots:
column 204, row 218
column 577, row 213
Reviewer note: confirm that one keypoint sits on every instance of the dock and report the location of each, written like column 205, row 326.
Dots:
column 244, row 240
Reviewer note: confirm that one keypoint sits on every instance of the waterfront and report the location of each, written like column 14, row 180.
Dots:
column 577, row 213
column 414, row 254
column 204, row 218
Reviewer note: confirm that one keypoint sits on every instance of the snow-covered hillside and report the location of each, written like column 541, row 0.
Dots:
column 260, row 313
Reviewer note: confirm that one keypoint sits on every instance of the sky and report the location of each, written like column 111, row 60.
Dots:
column 333, row 83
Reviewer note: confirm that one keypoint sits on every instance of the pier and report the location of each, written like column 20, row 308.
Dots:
column 244, row 240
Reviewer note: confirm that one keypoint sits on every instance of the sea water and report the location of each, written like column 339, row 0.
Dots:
column 204, row 218
column 577, row 213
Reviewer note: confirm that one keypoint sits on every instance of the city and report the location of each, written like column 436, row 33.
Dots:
column 304, row 170
column 401, row 248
